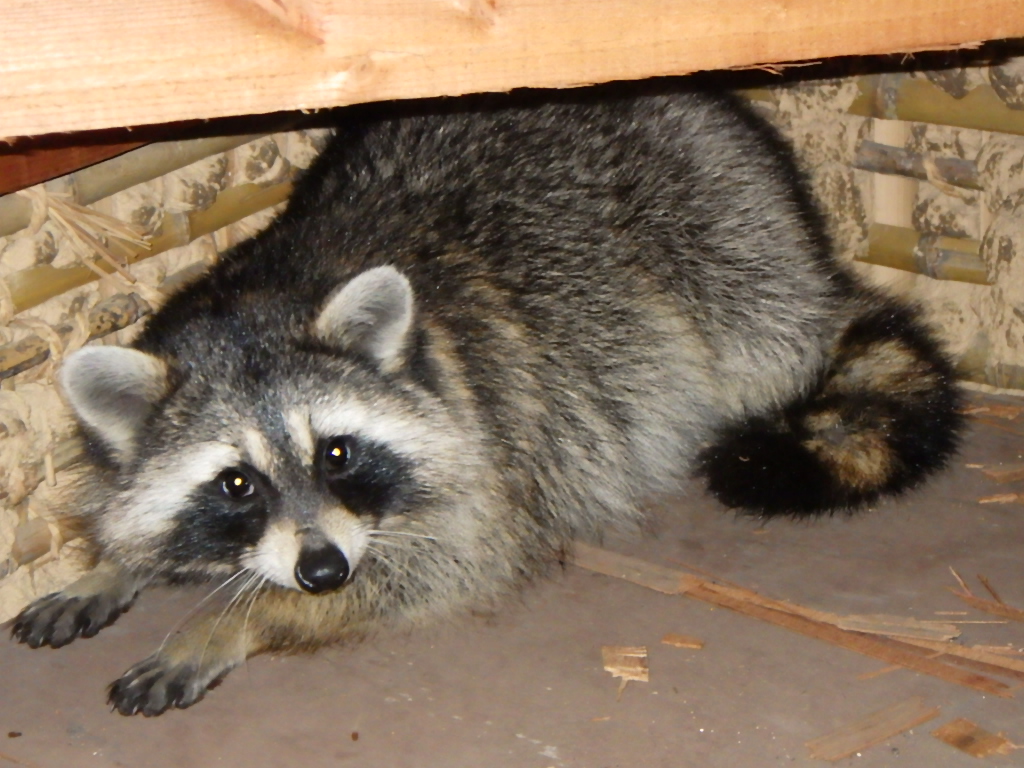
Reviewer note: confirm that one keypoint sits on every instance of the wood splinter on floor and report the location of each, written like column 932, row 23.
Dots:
column 974, row 740
column 899, row 626
column 1008, row 412
column 1004, row 473
column 871, row 730
column 626, row 661
column 916, row 654
column 995, row 607
column 1001, row 498
column 682, row 641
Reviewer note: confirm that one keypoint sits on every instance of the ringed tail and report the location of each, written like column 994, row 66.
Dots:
column 883, row 416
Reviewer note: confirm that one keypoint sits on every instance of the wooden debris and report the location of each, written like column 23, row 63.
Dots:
column 1003, row 411
column 990, row 606
column 1006, row 650
column 899, row 626
column 996, row 607
column 971, row 410
column 787, row 615
column 871, row 730
column 682, row 641
column 999, row 410
column 886, row 670
column 1014, row 380
column 628, row 662
column 972, row 739
column 876, row 646
column 1005, row 473
column 632, row 569
column 990, row 662
column 960, row 580
column 1001, row 498
column 990, row 589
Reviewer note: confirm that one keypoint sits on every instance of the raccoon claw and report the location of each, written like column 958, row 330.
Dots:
column 153, row 686
column 57, row 619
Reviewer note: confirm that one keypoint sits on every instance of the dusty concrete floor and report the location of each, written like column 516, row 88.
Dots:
column 527, row 688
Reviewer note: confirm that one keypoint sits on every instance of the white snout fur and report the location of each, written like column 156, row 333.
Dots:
column 278, row 551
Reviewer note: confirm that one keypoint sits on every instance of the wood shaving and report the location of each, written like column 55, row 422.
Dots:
column 1000, row 411
column 1004, row 473
column 628, row 662
column 682, row 641
column 974, row 740
column 907, row 653
column 871, row 730
column 899, row 626
column 1001, row 498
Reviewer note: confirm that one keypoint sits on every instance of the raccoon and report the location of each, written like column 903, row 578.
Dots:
column 478, row 332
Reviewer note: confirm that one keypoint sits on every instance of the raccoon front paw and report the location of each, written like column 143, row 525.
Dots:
column 59, row 618
column 155, row 685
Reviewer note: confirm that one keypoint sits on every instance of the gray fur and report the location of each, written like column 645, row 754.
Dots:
column 370, row 315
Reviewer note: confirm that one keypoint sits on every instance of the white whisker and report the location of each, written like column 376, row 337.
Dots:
column 197, row 606
column 256, row 592
column 389, row 563
column 378, row 532
column 235, row 600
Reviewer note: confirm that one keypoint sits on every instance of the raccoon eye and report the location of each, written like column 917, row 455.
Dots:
column 337, row 452
column 235, row 485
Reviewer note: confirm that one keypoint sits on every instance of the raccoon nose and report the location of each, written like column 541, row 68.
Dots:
column 321, row 568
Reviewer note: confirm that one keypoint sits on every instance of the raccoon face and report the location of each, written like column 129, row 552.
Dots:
column 289, row 473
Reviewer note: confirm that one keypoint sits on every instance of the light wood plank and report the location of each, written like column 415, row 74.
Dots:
column 69, row 65
column 871, row 730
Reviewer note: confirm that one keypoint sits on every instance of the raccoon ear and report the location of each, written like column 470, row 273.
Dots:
column 370, row 314
column 113, row 390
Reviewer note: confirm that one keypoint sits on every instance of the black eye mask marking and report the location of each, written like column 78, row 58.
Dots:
column 223, row 518
column 367, row 477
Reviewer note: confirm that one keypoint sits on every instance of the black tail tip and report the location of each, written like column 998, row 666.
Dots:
column 762, row 470
column 771, row 471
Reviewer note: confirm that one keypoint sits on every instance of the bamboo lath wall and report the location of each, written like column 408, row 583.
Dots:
column 926, row 196
column 68, row 65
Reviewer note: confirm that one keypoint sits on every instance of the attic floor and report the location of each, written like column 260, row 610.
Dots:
column 526, row 688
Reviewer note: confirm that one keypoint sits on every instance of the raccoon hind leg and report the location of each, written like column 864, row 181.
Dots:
column 88, row 605
column 885, row 415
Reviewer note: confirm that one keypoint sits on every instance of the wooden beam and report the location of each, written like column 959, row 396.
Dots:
column 24, row 169
column 67, row 65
